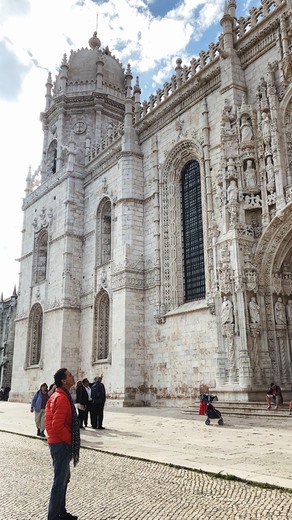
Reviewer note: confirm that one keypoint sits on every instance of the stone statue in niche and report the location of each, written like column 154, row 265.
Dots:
column 246, row 129
column 270, row 174
column 266, row 128
column 219, row 196
column 231, row 171
column 232, row 192
column 227, row 315
column 227, row 117
column 280, row 315
column 250, row 174
column 254, row 311
column 289, row 312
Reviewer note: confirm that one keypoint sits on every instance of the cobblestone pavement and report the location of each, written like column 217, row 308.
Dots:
column 112, row 487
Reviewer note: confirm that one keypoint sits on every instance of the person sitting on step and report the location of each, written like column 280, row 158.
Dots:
column 274, row 396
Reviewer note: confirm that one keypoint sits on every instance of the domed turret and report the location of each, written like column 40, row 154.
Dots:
column 94, row 69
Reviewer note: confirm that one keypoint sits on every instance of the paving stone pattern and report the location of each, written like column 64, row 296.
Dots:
column 105, row 486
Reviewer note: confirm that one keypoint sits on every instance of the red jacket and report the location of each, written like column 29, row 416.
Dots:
column 58, row 418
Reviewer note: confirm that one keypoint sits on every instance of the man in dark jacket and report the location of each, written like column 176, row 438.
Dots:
column 98, row 401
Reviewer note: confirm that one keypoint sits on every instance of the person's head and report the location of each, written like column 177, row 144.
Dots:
column 98, row 379
column 85, row 382
column 78, row 384
column 273, row 385
column 44, row 388
column 64, row 378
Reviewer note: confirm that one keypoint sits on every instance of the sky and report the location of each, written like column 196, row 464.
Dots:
column 35, row 34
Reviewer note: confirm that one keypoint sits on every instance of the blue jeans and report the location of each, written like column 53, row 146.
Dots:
column 61, row 454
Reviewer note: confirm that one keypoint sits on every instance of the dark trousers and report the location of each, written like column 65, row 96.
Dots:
column 61, row 454
column 81, row 414
column 88, row 410
column 97, row 415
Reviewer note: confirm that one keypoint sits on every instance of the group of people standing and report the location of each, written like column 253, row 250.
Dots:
column 90, row 401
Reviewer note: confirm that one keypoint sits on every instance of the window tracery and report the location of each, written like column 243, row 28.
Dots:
column 35, row 327
column 103, row 232
column 41, row 254
column 101, row 327
column 183, row 271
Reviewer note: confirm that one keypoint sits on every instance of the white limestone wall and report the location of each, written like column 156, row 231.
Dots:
column 180, row 354
column 60, row 336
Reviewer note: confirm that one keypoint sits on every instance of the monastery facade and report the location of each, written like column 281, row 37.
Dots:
column 157, row 235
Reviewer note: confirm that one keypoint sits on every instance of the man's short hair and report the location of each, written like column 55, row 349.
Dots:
column 59, row 376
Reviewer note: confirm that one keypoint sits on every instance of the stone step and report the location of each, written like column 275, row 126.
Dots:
column 243, row 409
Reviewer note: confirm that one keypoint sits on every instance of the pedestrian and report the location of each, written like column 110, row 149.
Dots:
column 98, row 401
column 64, row 441
column 274, row 395
column 88, row 409
column 38, row 405
column 6, row 393
column 81, row 402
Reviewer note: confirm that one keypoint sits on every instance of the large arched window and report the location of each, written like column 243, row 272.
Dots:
column 101, row 327
column 41, row 257
column 103, row 232
column 182, row 224
column 34, row 340
column 192, row 227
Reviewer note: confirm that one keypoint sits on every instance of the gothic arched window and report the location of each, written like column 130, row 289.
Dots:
column 41, row 256
column 101, row 327
column 103, row 232
column 192, row 229
column 35, row 327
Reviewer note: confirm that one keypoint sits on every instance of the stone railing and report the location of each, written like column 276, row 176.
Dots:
column 104, row 143
column 182, row 76
column 256, row 15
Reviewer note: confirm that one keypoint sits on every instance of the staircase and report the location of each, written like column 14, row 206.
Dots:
column 244, row 409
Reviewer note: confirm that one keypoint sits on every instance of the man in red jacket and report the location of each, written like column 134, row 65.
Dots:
column 64, row 441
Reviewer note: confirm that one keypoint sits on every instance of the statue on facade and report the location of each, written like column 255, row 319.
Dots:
column 270, row 174
column 232, row 192
column 231, row 170
column 227, row 315
column 254, row 311
column 266, row 128
column 246, row 129
column 227, row 117
column 289, row 312
column 280, row 315
column 250, row 174
column 219, row 197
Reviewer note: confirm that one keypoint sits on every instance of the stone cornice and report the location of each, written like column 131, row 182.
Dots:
column 55, row 180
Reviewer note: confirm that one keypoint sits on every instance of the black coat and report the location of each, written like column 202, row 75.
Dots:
column 81, row 395
column 98, row 393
